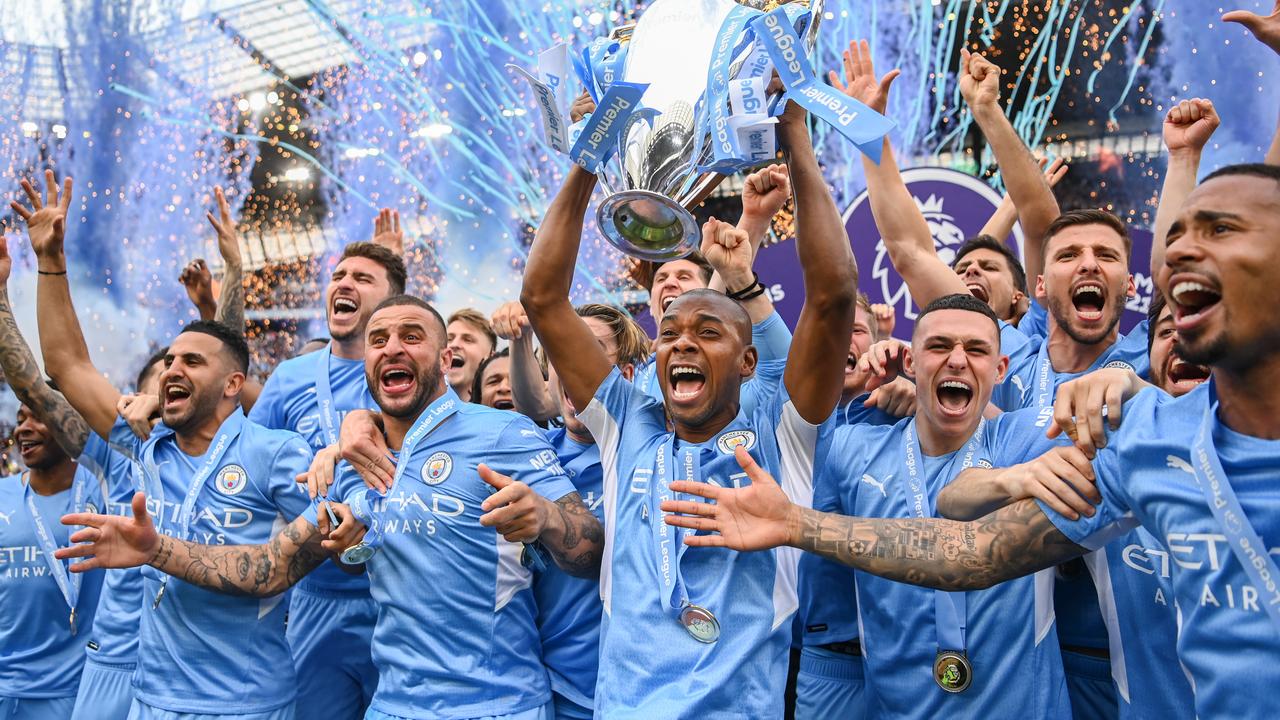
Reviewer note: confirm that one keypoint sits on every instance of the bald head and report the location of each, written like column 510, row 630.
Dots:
column 717, row 304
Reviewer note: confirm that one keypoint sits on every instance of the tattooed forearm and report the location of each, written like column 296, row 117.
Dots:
column 247, row 570
column 23, row 375
column 577, row 548
column 231, row 299
column 1009, row 543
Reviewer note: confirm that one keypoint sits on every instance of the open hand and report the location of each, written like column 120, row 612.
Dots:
column 860, row 81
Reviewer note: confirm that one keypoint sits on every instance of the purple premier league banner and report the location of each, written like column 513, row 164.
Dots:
column 956, row 207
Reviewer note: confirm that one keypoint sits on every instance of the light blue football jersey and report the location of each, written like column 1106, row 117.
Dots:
column 202, row 651
column 290, row 400
column 1035, row 321
column 42, row 658
column 1132, row 574
column 828, row 609
column 1017, row 667
column 455, row 635
column 114, row 638
column 1031, row 380
column 569, row 609
column 649, row 665
column 1147, row 476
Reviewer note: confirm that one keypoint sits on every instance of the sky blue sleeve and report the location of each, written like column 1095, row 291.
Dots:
column 1035, row 321
column 291, row 459
column 122, row 440
column 771, row 337
column 522, row 452
column 762, row 385
column 1019, row 436
column 1113, row 517
column 1015, row 392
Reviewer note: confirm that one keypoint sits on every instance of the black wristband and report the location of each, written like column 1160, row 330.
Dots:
column 46, row 272
column 754, row 290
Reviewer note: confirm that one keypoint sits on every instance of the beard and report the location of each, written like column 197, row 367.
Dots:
column 427, row 380
column 1063, row 312
column 1208, row 352
column 203, row 404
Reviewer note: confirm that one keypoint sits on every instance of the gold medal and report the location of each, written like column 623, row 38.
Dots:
column 952, row 671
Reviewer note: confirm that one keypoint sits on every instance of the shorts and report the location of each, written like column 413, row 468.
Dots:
column 830, row 685
column 106, row 692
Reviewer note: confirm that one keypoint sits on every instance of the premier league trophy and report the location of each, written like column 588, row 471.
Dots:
column 681, row 103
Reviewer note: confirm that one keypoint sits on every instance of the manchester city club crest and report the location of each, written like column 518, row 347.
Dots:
column 437, row 468
column 231, row 479
column 730, row 441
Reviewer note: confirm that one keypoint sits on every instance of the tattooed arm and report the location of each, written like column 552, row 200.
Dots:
column 230, row 310
column 1014, row 541
column 23, row 375
column 1009, row 543
column 566, row 528
column 113, row 541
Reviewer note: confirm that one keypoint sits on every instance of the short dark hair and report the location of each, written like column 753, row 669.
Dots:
column 961, row 301
column 393, row 264
column 1261, row 170
column 403, row 299
column 156, row 357
column 476, row 381
column 1153, row 314
column 987, row 242
column 233, row 341
column 476, row 319
column 695, row 257
column 1072, row 218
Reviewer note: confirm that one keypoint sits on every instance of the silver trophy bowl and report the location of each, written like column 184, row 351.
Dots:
column 653, row 178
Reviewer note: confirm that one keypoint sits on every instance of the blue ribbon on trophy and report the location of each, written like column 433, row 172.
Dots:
column 863, row 126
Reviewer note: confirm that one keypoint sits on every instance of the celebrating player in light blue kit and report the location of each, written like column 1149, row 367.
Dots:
column 1197, row 471
column 111, row 641
column 455, row 634
column 929, row 654
column 215, row 477
column 697, row 635
column 331, row 615
column 48, row 610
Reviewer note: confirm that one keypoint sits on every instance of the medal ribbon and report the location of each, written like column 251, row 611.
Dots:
column 950, row 609
column 68, row 582
column 669, row 540
column 370, row 512
column 1248, row 547
column 324, row 398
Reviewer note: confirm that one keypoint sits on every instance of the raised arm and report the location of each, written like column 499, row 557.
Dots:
column 763, row 194
column 1187, row 127
column 231, row 300
column 1267, row 31
column 904, row 230
column 1001, row 222
column 728, row 249
column 66, row 356
column 23, row 374
column 815, row 364
column 548, row 276
column 1012, row 542
column 1037, row 208
column 113, row 541
column 528, row 386
column 198, row 282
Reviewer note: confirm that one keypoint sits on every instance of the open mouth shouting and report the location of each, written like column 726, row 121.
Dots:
column 457, row 362
column 1183, row 375
column 954, row 396
column 686, row 382
column 504, row 404
column 29, row 446
column 1194, row 299
column 344, row 307
column 850, row 364
column 1089, row 299
column 396, row 381
column 979, row 292
column 175, row 394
